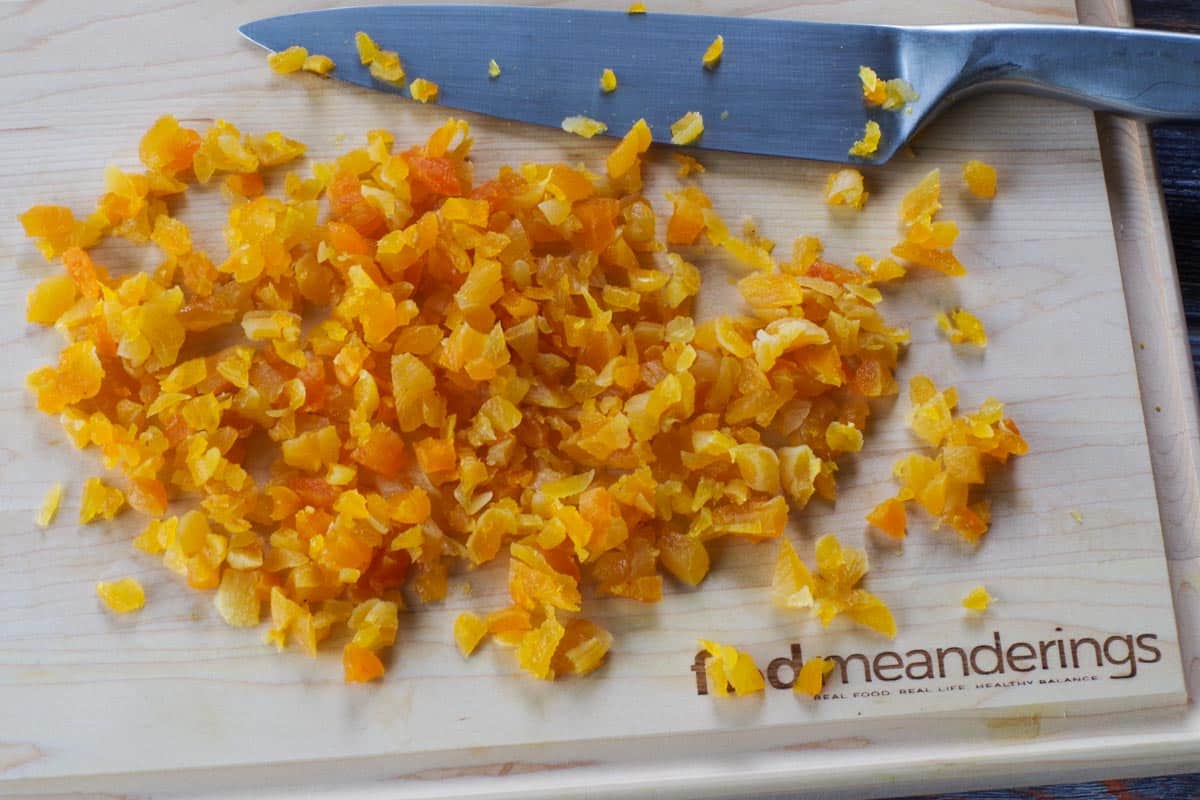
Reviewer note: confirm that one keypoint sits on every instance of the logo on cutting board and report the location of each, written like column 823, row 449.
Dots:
column 993, row 664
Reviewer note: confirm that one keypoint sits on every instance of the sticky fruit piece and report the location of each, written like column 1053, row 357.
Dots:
column 121, row 596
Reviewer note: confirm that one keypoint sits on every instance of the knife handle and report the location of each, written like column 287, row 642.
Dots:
column 1147, row 75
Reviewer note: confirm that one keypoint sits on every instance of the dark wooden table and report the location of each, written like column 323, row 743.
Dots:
column 1178, row 150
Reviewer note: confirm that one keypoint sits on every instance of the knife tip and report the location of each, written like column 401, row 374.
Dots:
column 250, row 31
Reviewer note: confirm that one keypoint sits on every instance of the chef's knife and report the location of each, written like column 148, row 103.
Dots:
column 782, row 88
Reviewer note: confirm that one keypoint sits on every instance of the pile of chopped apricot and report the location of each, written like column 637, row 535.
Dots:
column 834, row 590
column 928, row 242
column 397, row 372
column 941, row 484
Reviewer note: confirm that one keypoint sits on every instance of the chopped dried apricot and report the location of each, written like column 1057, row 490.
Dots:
column 384, row 65
column 79, row 376
column 237, row 598
column 507, row 370
column 977, row 599
column 811, row 678
column 423, row 91
column 122, row 596
column 469, row 630
column 99, row 501
column 625, row 155
column 845, row 188
column 687, row 128
column 727, row 667
column 961, row 326
column 50, row 299
column 360, row 665
column 942, row 484
column 584, row 126
column 712, row 54
column 892, row 95
column 318, row 64
column 869, row 143
column 687, row 165
column 980, row 178
column 168, row 148
column 927, row 243
column 874, row 90
column 49, row 507
column 536, row 648
column 890, row 517
column 843, row 437
column 834, row 589
column 290, row 60
column 792, row 585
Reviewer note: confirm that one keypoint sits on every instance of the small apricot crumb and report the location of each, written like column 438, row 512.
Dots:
column 977, row 599
column 687, row 165
column 122, row 596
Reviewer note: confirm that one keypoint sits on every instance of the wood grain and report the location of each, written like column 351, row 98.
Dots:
column 1177, row 151
column 189, row 695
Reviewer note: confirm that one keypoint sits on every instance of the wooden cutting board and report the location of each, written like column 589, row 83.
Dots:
column 163, row 698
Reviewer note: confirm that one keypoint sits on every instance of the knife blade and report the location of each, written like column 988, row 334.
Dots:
column 551, row 60
column 782, row 88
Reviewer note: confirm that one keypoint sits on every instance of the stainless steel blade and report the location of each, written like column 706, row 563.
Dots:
column 782, row 88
